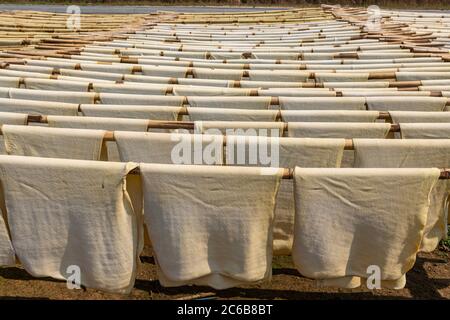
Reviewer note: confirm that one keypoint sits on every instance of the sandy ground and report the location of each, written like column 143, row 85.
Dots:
column 429, row 279
column 130, row 9
column 124, row 9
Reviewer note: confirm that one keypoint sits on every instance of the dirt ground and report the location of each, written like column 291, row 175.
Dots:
column 429, row 279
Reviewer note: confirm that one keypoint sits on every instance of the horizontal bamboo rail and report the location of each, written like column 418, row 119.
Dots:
column 288, row 173
column 189, row 125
